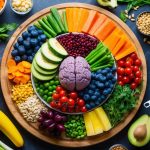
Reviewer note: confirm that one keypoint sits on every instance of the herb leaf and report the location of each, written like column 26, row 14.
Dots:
column 123, row 16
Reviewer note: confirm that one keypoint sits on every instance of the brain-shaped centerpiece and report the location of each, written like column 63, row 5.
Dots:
column 74, row 73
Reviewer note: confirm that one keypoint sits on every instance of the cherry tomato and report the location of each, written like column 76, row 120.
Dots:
column 64, row 99
column 73, row 95
column 53, row 104
column 120, row 71
column 77, row 109
column 138, row 62
column 81, row 102
column 128, row 64
column 133, row 56
column 133, row 86
column 70, row 109
column 121, row 63
column 62, row 93
column 138, row 74
column 128, row 71
column 136, row 68
column 59, row 105
column 83, row 109
column 126, row 79
column 71, row 102
column 121, row 83
column 131, row 76
column 55, row 96
column 120, row 77
column 132, row 67
column 137, row 80
column 130, row 60
column 64, row 109
column 58, row 89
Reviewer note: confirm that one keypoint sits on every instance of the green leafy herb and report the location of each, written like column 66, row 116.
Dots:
column 122, row 100
column 123, row 16
column 4, row 28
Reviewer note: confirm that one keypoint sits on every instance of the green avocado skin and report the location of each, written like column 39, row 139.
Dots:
column 144, row 119
column 109, row 3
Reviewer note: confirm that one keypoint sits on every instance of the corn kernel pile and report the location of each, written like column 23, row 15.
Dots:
column 21, row 92
column 21, row 5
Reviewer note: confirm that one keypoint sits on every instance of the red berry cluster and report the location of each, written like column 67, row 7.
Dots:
column 129, row 71
column 67, row 101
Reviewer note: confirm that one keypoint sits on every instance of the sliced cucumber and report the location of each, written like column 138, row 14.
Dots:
column 40, row 76
column 43, row 63
column 56, row 48
column 47, row 53
column 41, row 70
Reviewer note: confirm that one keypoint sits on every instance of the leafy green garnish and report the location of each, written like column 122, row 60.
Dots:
column 122, row 100
column 123, row 16
column 4, row 28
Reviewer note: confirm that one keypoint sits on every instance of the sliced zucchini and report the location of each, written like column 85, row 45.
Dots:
column 56, row 48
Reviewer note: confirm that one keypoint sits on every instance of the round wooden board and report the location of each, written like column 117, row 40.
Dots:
column 32, row 128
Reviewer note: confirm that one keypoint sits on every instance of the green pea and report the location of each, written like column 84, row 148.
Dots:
column 49, row 99
column 41, row 91
column 50, row 93
column 41, row 86
column 54, row 91
column 52, row 82
column 54, row 87
column 38, row 89
column 45, row 97
column 56, row 82
column 46, row 84
column 50, row 88
column 46, row 92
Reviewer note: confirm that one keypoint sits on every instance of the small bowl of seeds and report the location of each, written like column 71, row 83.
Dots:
column 118, row 147
column 143, row 23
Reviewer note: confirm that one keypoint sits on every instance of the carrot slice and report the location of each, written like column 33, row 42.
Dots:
column 20, row 67
column 26, row 70
column 11, row 63
column 75, row 19
column 17, row 80
column 78, row 20
column 69, row 14
column 10, row 76
column 18, row 74
column 90, row 21
column 83, row 18
column 101, row 19
column 25, row 78
column 26, row 64
column 12, row 69
column 105, row 30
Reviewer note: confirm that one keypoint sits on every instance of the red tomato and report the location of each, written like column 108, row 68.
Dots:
column 121, row 83
column 136, row 68
column 131, row 76
column 126, row 79
column 130, row 60
column 128, row 64
column 128, row 71
column 120, row 77
column 83, row 109
column 70, row 109
column 63, row 99
column 120, row 71
column 53, row 104
column 77, row 108
column 58, row 89
column 133, row 86
column 73, row 95
column 121, row 63
column 55, row 96
column 59, row 105
column 64, row 109
column 138, row 62
column 138, row 74
column 71, row 102
column 62, row 93
column 137, row 80
column 133, row 56
column 81, row 102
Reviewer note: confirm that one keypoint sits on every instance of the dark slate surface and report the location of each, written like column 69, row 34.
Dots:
column 32, row 143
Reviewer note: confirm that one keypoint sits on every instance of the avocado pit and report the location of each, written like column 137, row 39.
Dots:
column 140, row 132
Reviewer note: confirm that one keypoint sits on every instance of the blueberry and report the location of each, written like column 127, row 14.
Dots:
column 99, row 71
column 30, row 28
column 29, row 52
column 28, row 39
column 105, row 92
column 33, row 54
column 92, row 86
column 40, row 44
column 99, row 99
column 40, row 32
column 26, row 44
column 93, row 98
column 39, row 38
column 103, row 97
column 97, row 103
column 24, row 57
column 25, row 35
column 21, row 50
column 102, row 78
column 92, row 104
column 101, row 85
column 20, row 40
column 34, row 33
column 114, row 80
column 33, row 42
column 107, row 84
column 97, row 94
column 109, row 90
column 97, row 77
column 36, row 48
column 111, row 86
column 14, row 53
column 17, row 59
column 114, row 69
column 104, row 72
column 107, row 69
column 43, row 37
column 88, row 106
column 16, row 45
column 86, row 97
column 30, row 58
column 109, row 76
column 90, row 92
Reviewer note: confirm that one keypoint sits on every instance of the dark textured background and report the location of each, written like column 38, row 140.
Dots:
column 32, row 143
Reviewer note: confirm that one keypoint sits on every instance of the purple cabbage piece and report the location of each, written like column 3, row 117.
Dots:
column 74, row 73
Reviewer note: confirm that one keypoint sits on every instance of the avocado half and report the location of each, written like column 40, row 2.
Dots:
column 110, row 3
column 144, row 122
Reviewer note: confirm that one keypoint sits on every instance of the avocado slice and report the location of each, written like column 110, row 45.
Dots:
column 110, row 3
column 139, row 132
